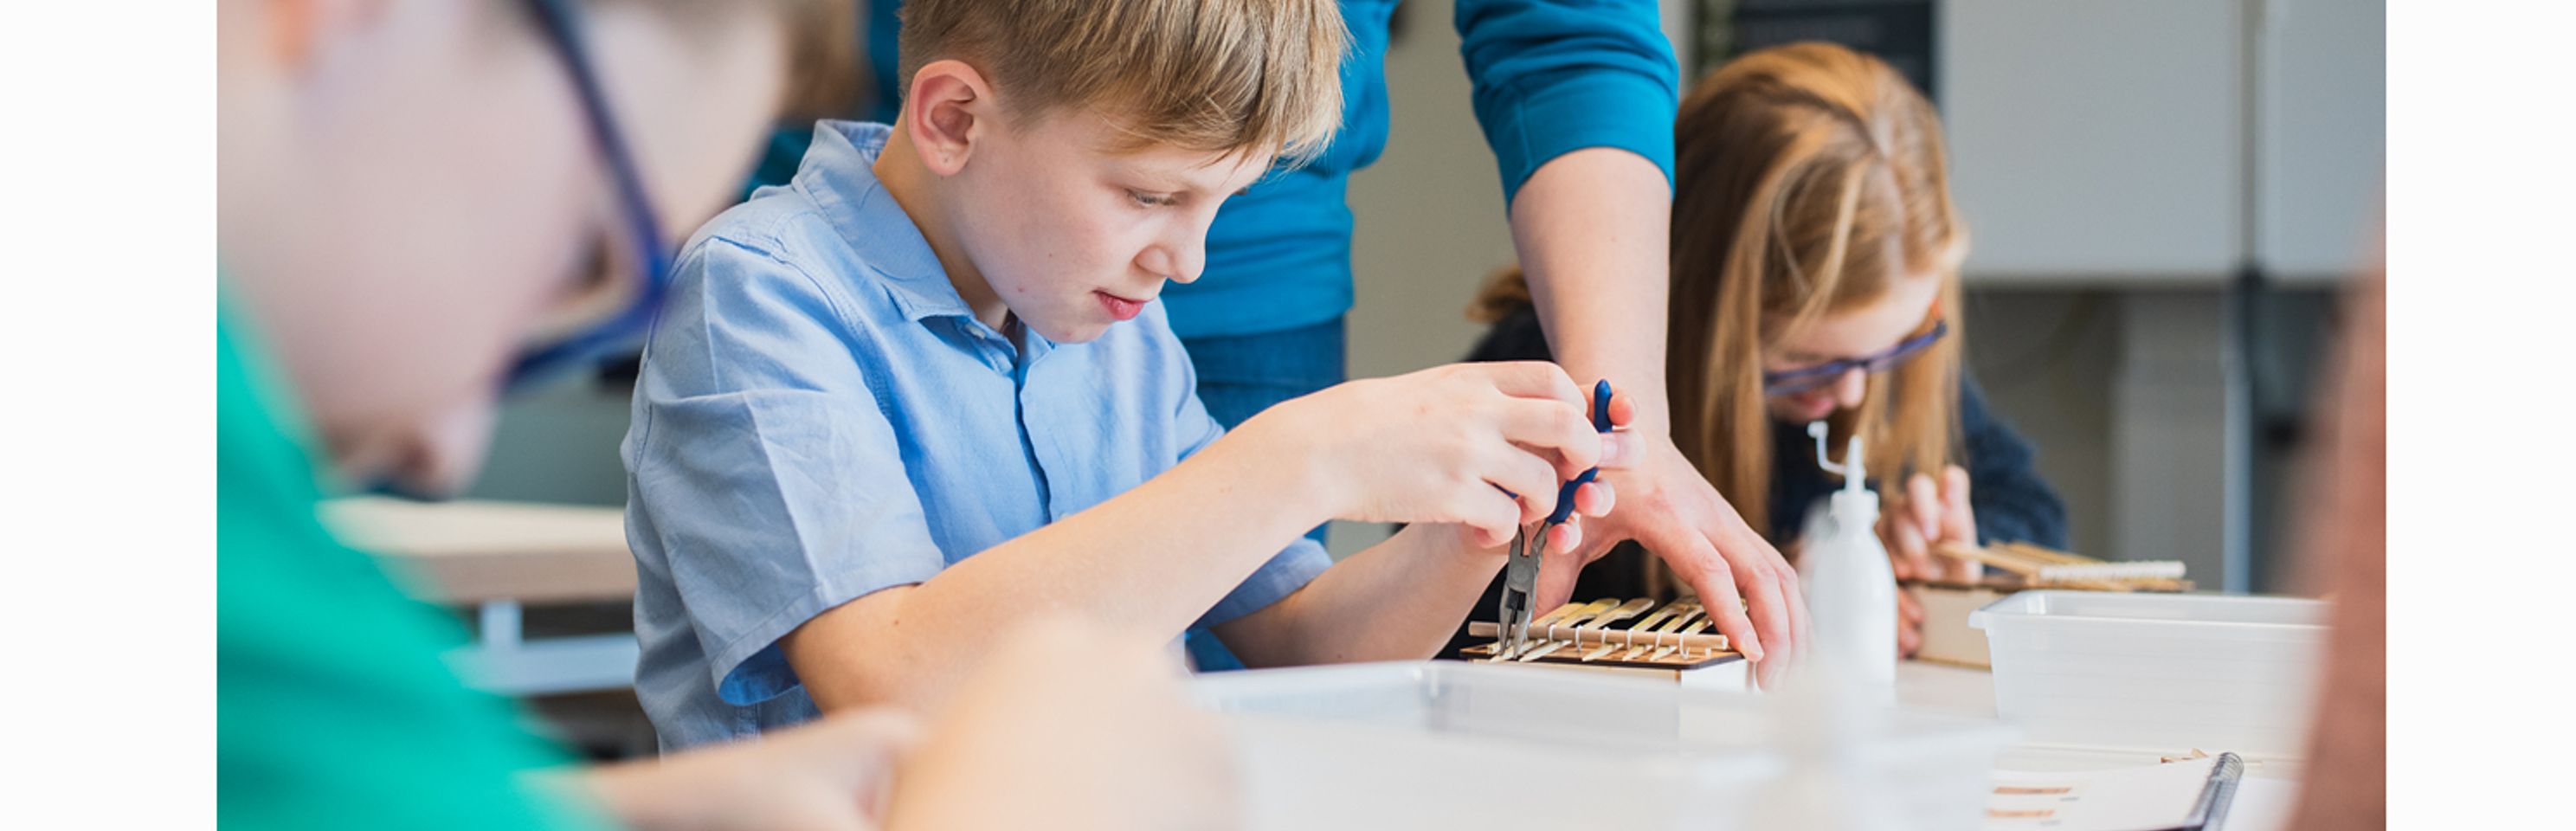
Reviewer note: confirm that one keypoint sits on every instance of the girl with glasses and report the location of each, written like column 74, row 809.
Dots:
column 1815, row 277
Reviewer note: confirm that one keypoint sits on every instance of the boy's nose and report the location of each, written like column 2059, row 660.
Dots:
column 1179, row 262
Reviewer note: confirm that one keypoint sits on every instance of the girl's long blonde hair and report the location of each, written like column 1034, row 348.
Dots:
column 1806, row 177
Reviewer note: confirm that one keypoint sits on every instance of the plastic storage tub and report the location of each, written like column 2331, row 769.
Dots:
column 2156, row 672
column 1449, row 744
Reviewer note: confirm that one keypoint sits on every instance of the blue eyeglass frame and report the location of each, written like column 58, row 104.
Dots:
column 561, row 23
column 1807, row 378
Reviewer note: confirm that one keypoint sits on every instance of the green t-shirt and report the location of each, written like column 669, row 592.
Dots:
column 333, row 707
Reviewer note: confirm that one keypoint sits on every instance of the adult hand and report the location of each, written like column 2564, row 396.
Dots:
column 1668, row 507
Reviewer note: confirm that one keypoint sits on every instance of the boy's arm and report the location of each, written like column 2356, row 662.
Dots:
column 1427, row 447
column 1152, row 559
column 1399, row 600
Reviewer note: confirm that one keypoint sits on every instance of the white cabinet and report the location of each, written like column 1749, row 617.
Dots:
column 2323, row 139
column 2108, row 141
column 2095, row 140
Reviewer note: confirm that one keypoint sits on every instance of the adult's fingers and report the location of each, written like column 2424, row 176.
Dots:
column 1556, row 576
column 1623, row 409
column 1698, row 564
column 1596, row 498
column 1770, row 588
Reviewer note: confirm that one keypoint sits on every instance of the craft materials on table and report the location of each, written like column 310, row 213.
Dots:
column 1673, row 637
column 2027, row 566
column 2011, row 567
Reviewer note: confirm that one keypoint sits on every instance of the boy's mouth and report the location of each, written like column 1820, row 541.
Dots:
column 1119, row 307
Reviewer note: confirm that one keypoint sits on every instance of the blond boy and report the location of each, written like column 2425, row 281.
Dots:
column 925, row 389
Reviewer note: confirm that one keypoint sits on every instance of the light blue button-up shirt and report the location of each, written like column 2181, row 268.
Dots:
column 820, row 416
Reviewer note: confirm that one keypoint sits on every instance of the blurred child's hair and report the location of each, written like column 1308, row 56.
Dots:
column 1807, row 178
column 1220, row 76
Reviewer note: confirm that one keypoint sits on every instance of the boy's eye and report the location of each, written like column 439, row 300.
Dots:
column 1150, row 200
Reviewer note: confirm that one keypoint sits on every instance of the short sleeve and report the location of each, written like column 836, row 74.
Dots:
column 768, row 485
column 1287, row 571
column 1555, row 76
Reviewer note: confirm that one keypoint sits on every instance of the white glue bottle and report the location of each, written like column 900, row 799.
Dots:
column 1851, row 590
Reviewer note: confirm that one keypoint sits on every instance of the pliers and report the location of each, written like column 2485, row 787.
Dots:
column 1529, row 548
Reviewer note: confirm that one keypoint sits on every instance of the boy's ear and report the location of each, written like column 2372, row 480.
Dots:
column 950, row 109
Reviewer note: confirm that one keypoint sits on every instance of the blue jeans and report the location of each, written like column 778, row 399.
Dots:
column 1240, row 375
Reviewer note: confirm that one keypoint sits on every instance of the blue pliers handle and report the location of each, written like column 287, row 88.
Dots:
column 1520, row 572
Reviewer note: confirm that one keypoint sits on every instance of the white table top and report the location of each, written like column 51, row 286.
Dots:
column 2264, row 798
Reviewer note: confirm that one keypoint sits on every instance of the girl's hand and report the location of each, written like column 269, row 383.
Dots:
column 1914, row 523
column 1483, row 445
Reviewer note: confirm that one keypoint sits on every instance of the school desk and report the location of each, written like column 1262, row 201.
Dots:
column 2263, row 800
column 498, row 558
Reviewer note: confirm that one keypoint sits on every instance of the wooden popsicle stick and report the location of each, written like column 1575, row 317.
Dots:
column 1559, row 612
column 2015, row 564
column 1549, row 643
column 1683, row 643
column 1625, row 611
column 1660, row 615
column 1556, row 642
column 1689, row 612
column 2045, row 555
column 1689, row 639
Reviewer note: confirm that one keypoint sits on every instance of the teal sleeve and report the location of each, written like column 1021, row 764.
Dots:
column 1551, row 78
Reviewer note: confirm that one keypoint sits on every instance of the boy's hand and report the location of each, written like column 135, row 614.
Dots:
column 1449, row 444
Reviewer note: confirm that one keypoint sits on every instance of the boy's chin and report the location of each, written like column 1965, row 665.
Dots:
column 1073, row 331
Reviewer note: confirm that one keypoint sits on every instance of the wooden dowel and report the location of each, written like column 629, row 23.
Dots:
column 2007, row 562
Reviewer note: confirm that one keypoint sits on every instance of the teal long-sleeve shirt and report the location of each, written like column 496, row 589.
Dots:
column 1550, row 77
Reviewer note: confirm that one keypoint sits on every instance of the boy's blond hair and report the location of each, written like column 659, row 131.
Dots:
column 1220, row 76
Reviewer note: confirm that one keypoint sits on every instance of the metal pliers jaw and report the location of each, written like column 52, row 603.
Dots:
column 1520, row 574
column 1520, row 591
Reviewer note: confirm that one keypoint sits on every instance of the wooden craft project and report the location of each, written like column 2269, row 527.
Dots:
column 2026, row 566
column 1669, row 638
column 2011, row 567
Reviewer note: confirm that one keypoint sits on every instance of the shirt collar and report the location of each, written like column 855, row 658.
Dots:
column 838, row 173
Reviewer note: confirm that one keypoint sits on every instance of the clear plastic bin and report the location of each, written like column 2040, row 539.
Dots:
column 1449, row 744
column 2156, row 672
